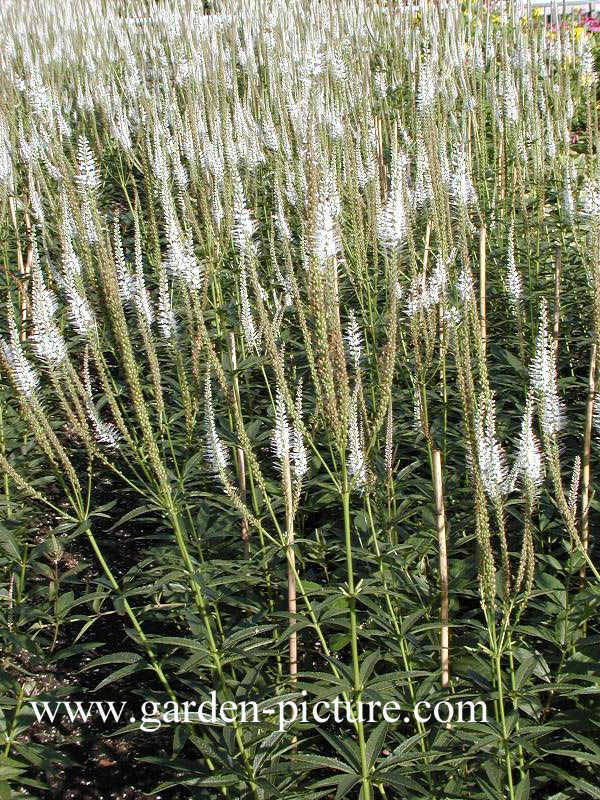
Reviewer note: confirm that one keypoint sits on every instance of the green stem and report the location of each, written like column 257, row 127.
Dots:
column 13, row 725
column 497, row 656
column 398, row 629
column 218, row 664
column 513, row 684
column 364, row 768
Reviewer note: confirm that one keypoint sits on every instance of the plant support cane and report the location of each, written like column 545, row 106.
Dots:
column 482, row 279
column 556, row 314
column 585, row 469
column 291, row 560
column 441, row 531
column 239, row 450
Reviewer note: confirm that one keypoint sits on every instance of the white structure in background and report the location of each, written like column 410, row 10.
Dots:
column 552, row 10
column 561, row 7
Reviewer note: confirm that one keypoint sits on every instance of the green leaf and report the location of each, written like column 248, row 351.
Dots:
column 64, row 602
column 216, row 783
column 400, row 781
column 591, row 791
column 136, row 512
column 179, row 739
column 522, row 792
column 113, row 658
column 345, row 784
column 121, row 673
column 525, row 670
column 367, row 667
column 346, row 748
column 75, row 649
column 179, row 641
column 324, row 762
column 10, row 545
column 375, row 743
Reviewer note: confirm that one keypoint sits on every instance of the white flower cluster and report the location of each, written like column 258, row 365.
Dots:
column 287, row 441
column 392, row 221
column 490, row 454
column 24, row 375
column 105, row 432
column 356, row 462
column 513, row 277
column 529, row 464
column 48, row 342
column 214, row 449
column 428, row 292
column 545, row 379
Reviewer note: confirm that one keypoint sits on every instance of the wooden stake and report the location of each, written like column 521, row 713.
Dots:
column 438, row 491
column 556, row 322
column 380, row 159
column 482, row 311
column 239, row 451
column 426, row 250
column 24, row 267
column 291, row 559
column 585, row 468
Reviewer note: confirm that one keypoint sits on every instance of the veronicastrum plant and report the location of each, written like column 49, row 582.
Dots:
column 281, row 280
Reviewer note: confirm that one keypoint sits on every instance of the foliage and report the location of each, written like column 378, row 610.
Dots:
column 264, row 269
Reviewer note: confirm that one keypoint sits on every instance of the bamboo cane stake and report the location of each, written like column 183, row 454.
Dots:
column 441, row 530
column 291, row 559
column 556, row 318
column 426, row 249
column 585, row 469
column 482, row 279
column 239, row 451
column 24, row 266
